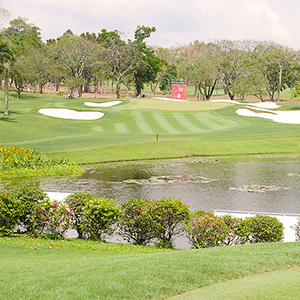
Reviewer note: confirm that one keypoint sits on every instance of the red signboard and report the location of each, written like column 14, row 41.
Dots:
column 179, row 92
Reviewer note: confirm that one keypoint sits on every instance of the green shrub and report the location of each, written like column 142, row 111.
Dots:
column 206, row 230
column 135, row 224
column 77, row 202
column 99, row 215
column 21, row 161
column 10, row 211
column 238, row 230
column 296, row 227
column 60, row 93
column 144, row 221
column 18, row 157
column 29, row 197
column 52, row 218
column 167, row 217
column 264, row 229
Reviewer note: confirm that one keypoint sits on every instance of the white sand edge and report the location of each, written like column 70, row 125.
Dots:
column 225, row 100
column 170, row 99
column 64, row 113
column 104, row 104
column 288, row 117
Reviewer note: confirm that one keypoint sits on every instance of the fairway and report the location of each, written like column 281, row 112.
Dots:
column 128, row 130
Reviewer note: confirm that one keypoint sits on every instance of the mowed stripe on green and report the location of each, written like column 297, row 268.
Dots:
column 214, row 122
column 150, row 122
column 164, row 123
column 142, row 123
column 121, row 128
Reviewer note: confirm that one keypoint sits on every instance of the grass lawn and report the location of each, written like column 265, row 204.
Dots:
column 274, row 285
column 129, row 130
column 71, row 269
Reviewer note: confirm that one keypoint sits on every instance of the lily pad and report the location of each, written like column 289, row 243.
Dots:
column 170, row 179
column 255, row 188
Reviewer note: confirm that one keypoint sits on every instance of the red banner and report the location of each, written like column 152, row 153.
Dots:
column 179, row 92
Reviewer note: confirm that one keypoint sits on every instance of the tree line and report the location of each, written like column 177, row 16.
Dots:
column 259, row 68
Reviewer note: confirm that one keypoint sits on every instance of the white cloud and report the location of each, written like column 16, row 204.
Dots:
column 176, row 21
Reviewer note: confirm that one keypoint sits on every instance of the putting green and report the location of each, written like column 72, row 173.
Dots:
column 158, row 104
column 273, row 285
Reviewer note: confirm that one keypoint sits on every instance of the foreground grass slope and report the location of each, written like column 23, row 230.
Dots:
column 129, row 130
column 43, row 269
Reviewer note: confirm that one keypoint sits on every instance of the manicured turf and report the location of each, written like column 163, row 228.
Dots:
column 43, row 269
column 273, row 285
column 129, row 130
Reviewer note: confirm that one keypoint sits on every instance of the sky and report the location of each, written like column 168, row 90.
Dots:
column 177, row 22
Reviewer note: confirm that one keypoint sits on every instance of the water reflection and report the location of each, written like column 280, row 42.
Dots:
column 108, row 180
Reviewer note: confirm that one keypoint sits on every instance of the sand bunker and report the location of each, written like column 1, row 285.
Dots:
column 64, row 113
column 104, row 104
column 170, row 99
column 225, row 100
column 288, row 117
column 269, row 105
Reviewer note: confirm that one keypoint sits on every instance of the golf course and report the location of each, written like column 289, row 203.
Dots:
column 142, row 129
column 136, row 129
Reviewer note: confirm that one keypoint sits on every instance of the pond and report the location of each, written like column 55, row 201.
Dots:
column 258, row 183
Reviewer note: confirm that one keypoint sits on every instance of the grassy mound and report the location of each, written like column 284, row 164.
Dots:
column 72, row 269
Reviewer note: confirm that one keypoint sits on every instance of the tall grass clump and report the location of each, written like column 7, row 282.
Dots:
column 24, row 162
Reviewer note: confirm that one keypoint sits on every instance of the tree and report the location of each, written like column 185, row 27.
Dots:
column 231, row 59
column 38, row 66
column 273, row 64
column 6, row 58
column 74, row 55
column 22, row 36
column 169, row 74
column 119, row 60
column 147, row 64
column 198, row 64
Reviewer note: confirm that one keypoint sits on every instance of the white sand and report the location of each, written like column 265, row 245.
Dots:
column 170, row 99
column 104, row 104
column 288, row 117
column 269, row 105
column 225, row 100
column 64, row 113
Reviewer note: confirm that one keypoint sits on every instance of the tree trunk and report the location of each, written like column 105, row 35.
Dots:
column 118, row 89
column 279, row 84
column 6, row 94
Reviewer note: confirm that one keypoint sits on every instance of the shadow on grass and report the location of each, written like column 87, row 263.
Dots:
column 8, row 119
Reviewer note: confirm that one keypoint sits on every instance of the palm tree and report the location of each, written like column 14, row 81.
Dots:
column 6, row 57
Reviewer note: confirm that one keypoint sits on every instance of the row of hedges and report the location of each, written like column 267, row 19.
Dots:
column 138, row 221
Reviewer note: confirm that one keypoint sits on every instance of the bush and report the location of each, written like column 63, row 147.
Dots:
column 206, row 230
column 29, row 197
column 296, row 227
column 52, row 218
column 167, row 216
column 238, row 230
column 10, row 211
column 77, row 202
column 18, row 157
column 21, row 161
column 264, row 229
column 99, row 215
column 135, row 224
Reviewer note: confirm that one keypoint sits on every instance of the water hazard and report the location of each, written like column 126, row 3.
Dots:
column 266, row 183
